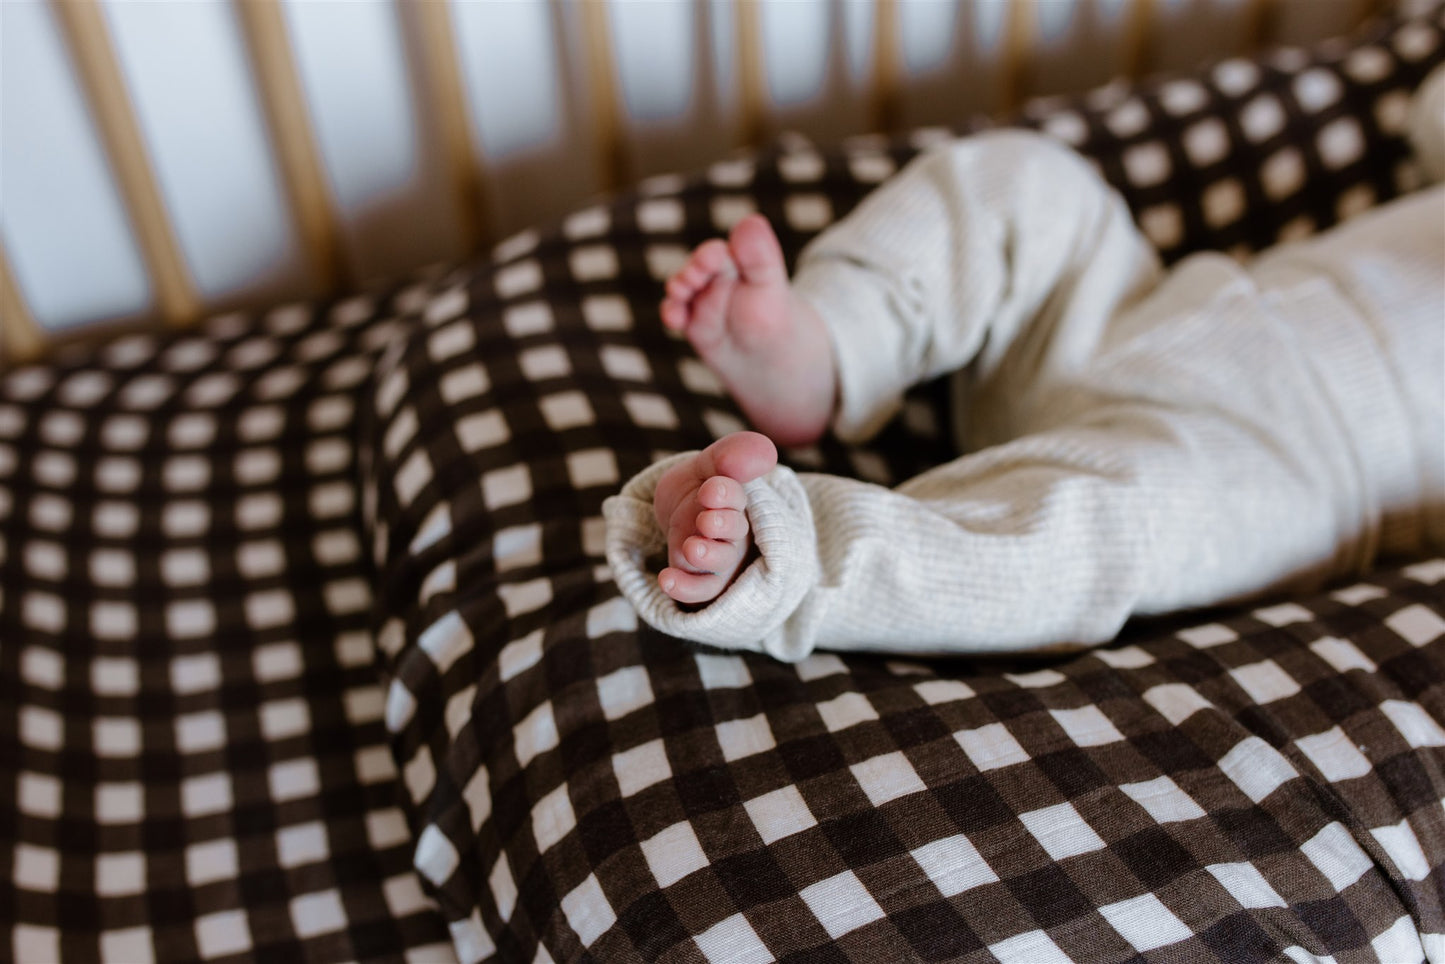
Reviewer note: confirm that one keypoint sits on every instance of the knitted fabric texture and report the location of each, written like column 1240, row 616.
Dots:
column 1138, row 445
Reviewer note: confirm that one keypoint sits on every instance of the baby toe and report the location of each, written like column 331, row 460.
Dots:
column 699, row 270
column 690, row 587
column 704, row 554
column 712, row 256
column 721, row 492
column 674, row 314
column 679, row 288
column 728, row 525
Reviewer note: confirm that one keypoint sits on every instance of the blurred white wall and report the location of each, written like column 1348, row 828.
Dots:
column 185, row 68
column 530, row 109
column 61, row 220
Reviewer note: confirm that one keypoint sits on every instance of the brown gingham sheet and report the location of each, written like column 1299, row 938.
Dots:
column 308, row 650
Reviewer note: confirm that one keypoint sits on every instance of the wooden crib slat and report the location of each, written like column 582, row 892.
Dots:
column 1260, row 20
column 1367, row 9
column 887, row 66
column 85, row 32
column 1018, row 37
column 606, row 117
column 289, row 120
column 20, row 336
column 441, row 79
column 1135, row 59
column 753, row 109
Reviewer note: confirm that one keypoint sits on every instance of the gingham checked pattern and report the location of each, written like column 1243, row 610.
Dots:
column 205, row 537
column 585, row 788
column 193, row 757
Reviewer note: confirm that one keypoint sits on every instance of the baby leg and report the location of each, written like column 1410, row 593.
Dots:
column 1195, row 462
column 1005, row 249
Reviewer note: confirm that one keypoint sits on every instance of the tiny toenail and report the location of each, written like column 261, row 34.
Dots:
column 699, row 550
column 667, row 583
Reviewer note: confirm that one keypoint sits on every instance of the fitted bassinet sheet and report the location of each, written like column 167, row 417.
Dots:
column 309, row 651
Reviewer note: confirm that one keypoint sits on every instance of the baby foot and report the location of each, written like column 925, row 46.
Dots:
column 733, row 301
column 701, row 505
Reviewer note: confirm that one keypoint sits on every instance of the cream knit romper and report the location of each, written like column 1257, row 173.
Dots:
column 1137, row 442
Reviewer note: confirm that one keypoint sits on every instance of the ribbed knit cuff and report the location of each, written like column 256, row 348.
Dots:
column 751, row 613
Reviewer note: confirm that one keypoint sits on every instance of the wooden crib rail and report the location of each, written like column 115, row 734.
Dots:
column 442, row 81
column 436, row 74
column 295, row 146
column 19, row 334
column 105, row 91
